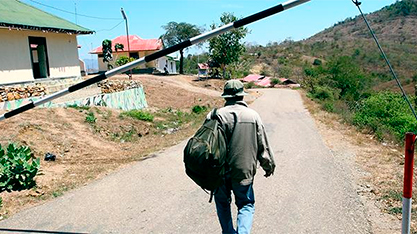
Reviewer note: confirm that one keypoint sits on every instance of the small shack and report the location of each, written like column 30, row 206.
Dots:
column 203, row 70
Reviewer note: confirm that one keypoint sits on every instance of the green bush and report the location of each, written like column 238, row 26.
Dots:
column 323, row 93
column 123, row 60
column 275, row 81
column 17, row 168
column 199, row 109
column 75, row 106
column 385, row 114
column 90, row 118
column 138, row 114
column 329, row 106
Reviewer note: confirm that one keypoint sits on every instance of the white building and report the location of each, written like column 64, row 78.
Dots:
column 35, row 45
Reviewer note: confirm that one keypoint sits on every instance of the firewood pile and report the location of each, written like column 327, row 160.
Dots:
column 16, row 93
column 113, row 86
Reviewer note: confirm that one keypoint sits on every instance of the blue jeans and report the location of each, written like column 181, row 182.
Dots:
column 245, row 202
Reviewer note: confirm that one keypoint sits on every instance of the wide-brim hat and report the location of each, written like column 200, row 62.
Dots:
column 233, row 88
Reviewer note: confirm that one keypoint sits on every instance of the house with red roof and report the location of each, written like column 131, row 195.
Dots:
column 137, row 48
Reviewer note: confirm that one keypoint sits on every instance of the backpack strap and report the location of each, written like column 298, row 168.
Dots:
column 214, row 114
column 212, row 193
column 211, row 196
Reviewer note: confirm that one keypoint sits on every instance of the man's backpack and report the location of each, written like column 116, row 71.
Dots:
column 205, row 155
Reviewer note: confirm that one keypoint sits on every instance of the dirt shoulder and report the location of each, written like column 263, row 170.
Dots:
column 377, row 168
column 86, row 151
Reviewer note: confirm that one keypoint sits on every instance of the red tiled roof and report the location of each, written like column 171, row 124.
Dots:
column 136, row 44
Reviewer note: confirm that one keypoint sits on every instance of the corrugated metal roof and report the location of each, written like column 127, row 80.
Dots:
column 203, row 66
column 136, row 44
column 252, row 77
column 15, row 14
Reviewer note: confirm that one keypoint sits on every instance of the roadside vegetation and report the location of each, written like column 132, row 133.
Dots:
column 342, row 87
column 18, row 168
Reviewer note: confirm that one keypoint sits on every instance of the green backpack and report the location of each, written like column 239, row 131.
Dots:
column 205, row 155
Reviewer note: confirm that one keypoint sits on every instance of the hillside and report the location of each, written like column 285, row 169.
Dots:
column 394, row 23
column 394, row 26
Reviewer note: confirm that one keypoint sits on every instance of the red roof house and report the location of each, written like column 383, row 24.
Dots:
column 137, row 48
column 258, row 80
column 136, row 44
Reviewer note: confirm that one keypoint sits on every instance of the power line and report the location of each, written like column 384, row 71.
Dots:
column 69, row 12
column 101, row 30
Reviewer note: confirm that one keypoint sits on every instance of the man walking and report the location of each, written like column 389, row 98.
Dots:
column 247, row 143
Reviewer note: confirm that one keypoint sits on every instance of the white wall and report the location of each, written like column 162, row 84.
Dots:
column 171, row 65
column 15, row 60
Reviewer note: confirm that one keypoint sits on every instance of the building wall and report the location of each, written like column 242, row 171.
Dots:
column 164, row 61
column 15, row 57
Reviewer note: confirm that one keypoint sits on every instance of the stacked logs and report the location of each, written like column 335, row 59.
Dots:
column 113, row 86
column 16, row 93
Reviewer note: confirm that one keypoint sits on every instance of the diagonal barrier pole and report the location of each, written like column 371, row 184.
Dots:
column 408, row 182
column 192, row 41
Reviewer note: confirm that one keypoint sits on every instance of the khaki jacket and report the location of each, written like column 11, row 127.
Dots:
column 248, row 142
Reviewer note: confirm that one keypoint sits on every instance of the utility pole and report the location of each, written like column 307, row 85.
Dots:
column 76, row 20
column 127, row 35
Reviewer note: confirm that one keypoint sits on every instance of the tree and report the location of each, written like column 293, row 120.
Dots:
column 177, row 33
column 347, row 76
column 118, row 47
column 107, row 52
column 226, row 48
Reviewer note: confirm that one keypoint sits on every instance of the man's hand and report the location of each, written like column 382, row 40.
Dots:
column 270, row 172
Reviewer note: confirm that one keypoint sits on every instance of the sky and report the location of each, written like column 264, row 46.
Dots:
column 146, row 17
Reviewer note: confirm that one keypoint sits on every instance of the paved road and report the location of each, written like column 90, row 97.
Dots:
column 311, row 191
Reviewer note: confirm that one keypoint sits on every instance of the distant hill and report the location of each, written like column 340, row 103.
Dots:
column 394, row 25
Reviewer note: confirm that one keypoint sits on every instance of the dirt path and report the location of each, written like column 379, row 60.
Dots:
column 313, row 191
column 181, row 82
